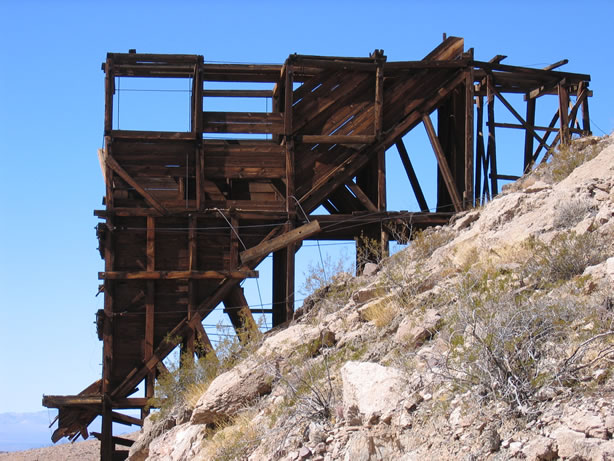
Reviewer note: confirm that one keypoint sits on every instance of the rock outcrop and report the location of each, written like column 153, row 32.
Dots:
column 424, row 357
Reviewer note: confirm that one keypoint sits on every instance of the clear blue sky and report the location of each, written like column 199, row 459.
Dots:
column 51, row 121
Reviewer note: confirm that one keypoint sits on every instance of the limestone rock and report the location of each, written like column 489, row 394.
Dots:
column 152, row 429
column 540, row 449
column 230, row 392
column 180, row 443
column 415, row 331
column 374, row 390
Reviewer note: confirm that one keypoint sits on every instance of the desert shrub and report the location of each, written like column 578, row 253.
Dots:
column 567, row 255
column 570, row 213
column 568, row 157
column 381, row 313
column 510, row 342
column 424, row 243
column 185, row 379
column 232, row 440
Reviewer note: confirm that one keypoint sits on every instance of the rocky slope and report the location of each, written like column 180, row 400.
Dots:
column 491, row 338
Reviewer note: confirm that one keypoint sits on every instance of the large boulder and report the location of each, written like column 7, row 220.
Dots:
column 371, row 391
column 180, row 443
column 232, row 391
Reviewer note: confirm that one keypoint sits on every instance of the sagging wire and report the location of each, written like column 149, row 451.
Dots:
column 317, row 241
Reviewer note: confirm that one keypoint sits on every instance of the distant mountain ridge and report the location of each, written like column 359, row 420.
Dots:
column 22, row 431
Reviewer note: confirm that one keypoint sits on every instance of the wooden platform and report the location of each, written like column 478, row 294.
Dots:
column 188, row 215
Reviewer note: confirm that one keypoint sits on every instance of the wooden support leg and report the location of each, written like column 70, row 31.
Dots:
column 528, row 137
column 492, row 149
column 480, row 154
column 106, row 443
column 239, row 312
column 279, row 287
column 381, row 201
column 468, row 138
column 411, row 174
column 563, row 114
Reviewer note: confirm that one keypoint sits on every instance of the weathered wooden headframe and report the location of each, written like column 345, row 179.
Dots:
column 189, row 216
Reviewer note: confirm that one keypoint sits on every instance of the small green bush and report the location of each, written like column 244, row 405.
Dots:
column 566, row 256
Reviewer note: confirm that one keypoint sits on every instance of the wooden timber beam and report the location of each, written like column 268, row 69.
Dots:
column 335, row 139
column 238, row 310
column 59, row 401
column 112, row 163
column 126, row 420
column 177, row 275
column 360, row 195
column 411, row 174
column 277, row 243
column 443, row 164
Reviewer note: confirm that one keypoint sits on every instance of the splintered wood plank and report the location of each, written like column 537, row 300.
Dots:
column 177, row 275
column 443, row 164
column 277, row 243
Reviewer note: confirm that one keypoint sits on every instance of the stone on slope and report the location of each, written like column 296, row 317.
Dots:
column 371, row 390
column 232, row 391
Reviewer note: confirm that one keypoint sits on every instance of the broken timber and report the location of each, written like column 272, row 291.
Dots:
column 190, row 214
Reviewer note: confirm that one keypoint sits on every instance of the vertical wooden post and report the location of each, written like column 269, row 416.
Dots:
column 479, row 149
column 290, row 201
column 279, row 287
column 563, row 114
column 378, row 112
column 109, row 88
column 586, row 120
column 381, row 200
column 528, row 136
column 189, row 342
column 411, row 174
column 469, row 97
column 107, row 447
column 150, row 309
column 492, row 146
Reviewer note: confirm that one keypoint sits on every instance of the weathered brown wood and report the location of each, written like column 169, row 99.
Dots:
column 468, row 151
column 378, row 110
column 277, row 243
column 126, row 177
column 238, row 93
column 238, row 311
column 411, row 174
column 336, row 139
column 361, row 196
column 177, row 275
column 442, row 163
column 491, row 152
column 528, row 138
column 126, row 419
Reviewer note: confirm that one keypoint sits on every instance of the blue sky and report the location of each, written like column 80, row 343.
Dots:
column 51, row 122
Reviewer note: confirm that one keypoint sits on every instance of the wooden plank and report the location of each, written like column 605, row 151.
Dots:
column 381, row 199
column 238, row 93
column 557, row 64
column 361, row 196
column 411, row 174
column 127, row 420
column 152, row 135
column 116, row 440
column 277, row 243
column 112, row 163
column 150, row 308
column 288, row 97
column 336, row 139
column 177, row 275
column 443, row 164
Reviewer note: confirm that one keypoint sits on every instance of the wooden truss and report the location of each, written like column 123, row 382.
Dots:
column 190, row 214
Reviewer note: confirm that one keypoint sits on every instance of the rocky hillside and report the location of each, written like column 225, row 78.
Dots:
column 491, row 338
